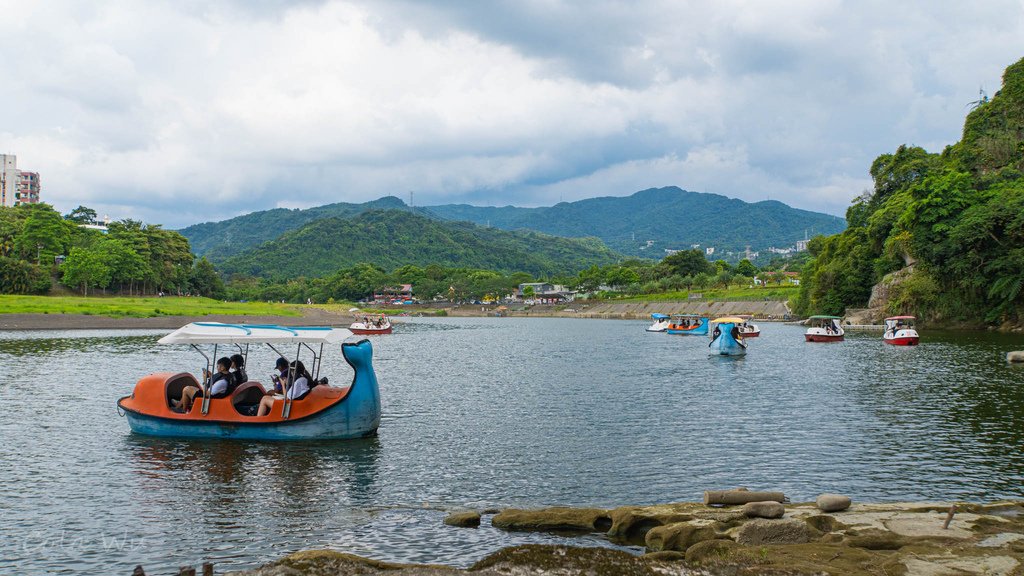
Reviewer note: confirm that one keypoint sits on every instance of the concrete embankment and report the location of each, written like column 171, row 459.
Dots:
column 761, row 309
column 829, row 536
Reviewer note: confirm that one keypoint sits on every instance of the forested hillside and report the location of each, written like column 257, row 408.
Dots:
column 673, row 218
column 393, row 238
column 220, row 240
column 957, row 218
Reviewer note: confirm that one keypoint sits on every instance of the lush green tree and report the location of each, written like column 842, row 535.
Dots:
column 81, row 215
column 685, row 263
column 126, row 266
column 702, row 280
column 21, row 277
column 746, row 268
column 205, row 281
column 43, row 236
column 724, row 279
column 86, row 269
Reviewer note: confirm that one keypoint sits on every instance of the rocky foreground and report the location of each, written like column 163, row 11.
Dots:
column 830, row 536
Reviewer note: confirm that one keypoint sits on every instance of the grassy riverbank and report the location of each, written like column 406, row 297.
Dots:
column 125, row 307
column 781, row 293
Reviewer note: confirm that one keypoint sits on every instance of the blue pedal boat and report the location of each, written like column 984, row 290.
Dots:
column 726, row 338
column 688, row 324
column 324, row 413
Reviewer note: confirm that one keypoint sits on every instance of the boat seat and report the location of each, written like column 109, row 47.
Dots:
column 247, row 394
column 176, row 384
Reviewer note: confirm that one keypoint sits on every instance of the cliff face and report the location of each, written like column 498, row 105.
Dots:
column 881, row 304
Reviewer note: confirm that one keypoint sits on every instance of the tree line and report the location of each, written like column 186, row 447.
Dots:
column 39, row 246
column 683, row 270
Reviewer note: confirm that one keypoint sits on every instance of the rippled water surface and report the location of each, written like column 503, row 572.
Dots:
column 490, row 413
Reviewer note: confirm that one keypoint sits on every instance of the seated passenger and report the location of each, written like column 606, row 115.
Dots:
column 217, row 383
column 280, row 375
column 238, row 374
column 298, row 383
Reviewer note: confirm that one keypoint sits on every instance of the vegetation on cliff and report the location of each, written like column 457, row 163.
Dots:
column 954, row 220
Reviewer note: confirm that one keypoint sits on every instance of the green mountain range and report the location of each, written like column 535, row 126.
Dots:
column 670, row 218
column 393, row 238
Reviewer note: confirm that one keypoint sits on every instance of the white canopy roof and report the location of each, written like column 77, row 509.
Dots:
column 218, row 333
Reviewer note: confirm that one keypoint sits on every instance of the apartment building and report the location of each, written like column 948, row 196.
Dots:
column 17, row 186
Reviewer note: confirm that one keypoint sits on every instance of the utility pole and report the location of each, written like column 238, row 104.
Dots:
column 410, row 198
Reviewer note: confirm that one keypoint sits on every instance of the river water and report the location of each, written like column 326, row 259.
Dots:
column 491, row 413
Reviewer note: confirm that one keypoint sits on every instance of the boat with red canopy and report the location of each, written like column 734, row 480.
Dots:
column 900, row 331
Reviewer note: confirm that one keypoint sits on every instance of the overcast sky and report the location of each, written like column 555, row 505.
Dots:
column 182, row 111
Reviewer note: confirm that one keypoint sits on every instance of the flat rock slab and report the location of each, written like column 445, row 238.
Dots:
column 930, row 524
column 1000, row 540
column 950, row 566
column 784, row 531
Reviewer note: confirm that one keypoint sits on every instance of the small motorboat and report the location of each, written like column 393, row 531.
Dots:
column 688, row 324
column 900, row 331
column 824, row 329
column 748, row 329
column 660, row 323
column 369, row 325
column 324, row 412
column 726, row 339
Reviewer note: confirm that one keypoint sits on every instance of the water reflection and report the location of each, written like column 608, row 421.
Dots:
column 228, row 468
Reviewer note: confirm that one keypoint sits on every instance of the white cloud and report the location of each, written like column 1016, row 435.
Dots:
column 179, row 112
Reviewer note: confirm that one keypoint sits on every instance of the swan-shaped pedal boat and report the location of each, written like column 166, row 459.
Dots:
column 325, row 412
column 724, row 341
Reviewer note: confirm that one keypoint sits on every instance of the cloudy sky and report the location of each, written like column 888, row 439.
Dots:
column 181, row 111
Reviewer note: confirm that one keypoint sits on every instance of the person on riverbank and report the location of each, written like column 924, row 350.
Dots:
column 218, row 384
column 298, row 383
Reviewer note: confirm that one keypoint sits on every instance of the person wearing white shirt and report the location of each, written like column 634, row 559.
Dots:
column 298, row 384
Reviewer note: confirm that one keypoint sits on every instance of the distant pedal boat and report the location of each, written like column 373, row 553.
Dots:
column 326, row 412
column 748, row 329
column 660, row 323
column 688, row 325
column 378, row 324
column 900, row 331
column 824, row 329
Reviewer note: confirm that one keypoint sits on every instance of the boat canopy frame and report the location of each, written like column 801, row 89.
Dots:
column 218, row 333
